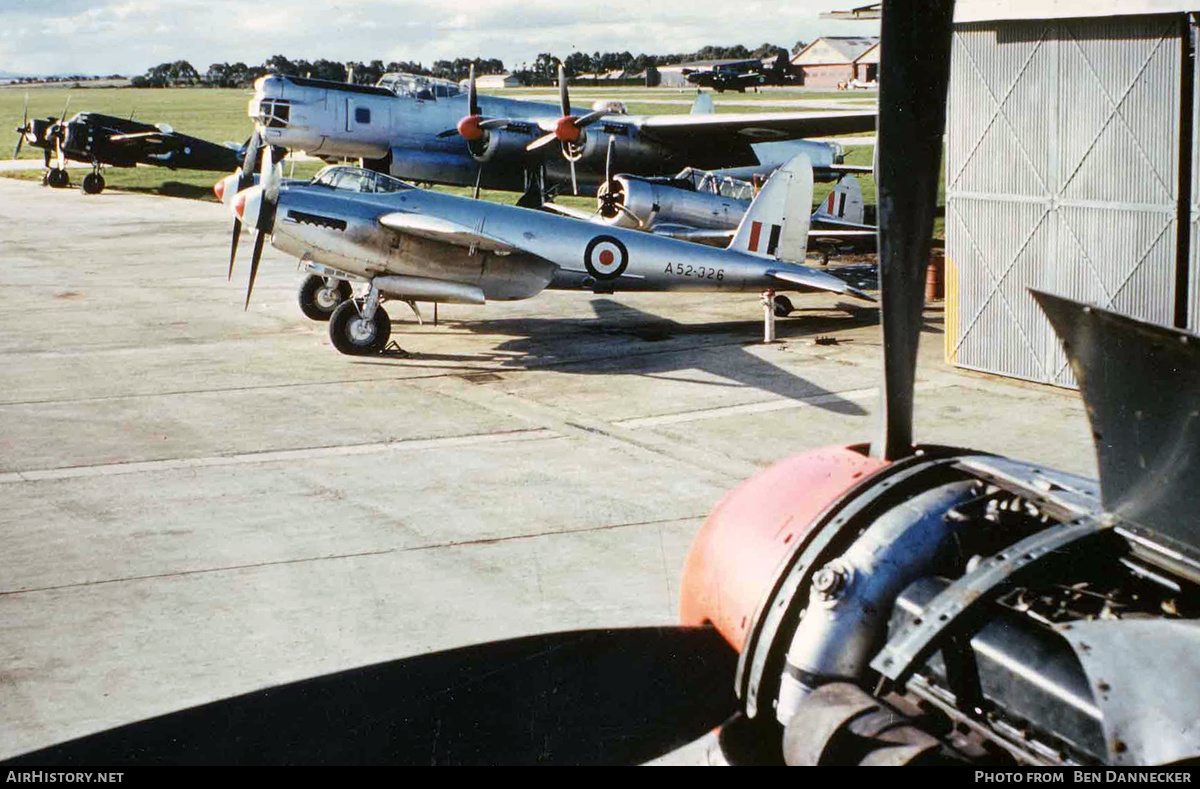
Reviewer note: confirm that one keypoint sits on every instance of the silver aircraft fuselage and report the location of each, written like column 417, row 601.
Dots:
column 398, row 134
column 348, row 234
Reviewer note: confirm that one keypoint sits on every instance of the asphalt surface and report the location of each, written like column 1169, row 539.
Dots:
column 467, row 553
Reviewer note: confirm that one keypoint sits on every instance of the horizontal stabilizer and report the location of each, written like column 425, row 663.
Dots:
column 817, row 280
column 448, row 232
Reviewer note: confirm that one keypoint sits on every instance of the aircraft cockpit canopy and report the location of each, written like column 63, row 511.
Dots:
column 723, row 185
column 347, row 178
column 416, row 86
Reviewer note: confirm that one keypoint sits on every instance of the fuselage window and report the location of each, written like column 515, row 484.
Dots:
column 362, row 114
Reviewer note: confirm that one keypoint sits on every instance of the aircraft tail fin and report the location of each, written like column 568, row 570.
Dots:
column 844, row 204
column 776, row 224
column 703, row 105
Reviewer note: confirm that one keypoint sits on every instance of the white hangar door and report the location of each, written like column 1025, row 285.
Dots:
column 1062, row 173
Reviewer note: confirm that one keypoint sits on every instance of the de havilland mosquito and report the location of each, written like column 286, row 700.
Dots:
column 408, row 244
column 427, row 130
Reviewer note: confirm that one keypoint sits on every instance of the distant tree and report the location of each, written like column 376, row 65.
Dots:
column 797, row 47
column 577, row 63
column 278, row 64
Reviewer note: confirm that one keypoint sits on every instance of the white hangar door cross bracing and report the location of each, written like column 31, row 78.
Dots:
column 1063, row 173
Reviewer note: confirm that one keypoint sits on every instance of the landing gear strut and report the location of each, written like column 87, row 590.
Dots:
column 320, row 296
column 93, row 182
column 359, row 327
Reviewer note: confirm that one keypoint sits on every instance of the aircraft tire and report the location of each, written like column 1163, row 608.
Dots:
column 353, row 336
column 93, row 184
column 317, row 302
column 58, row 178
column 783, row 306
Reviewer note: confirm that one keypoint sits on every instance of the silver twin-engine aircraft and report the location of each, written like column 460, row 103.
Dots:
column 408, row 244
column 429, row 130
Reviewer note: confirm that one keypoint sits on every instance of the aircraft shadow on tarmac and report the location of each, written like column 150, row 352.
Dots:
column 584, row 697
column 562, row 344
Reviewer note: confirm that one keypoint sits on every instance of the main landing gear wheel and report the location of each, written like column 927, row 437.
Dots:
column 58, row 178
column 93, row 183
column 783, row 306
column 318, row 301
column 353, row 335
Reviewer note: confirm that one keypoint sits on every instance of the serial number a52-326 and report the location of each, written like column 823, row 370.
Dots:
column 700, row 272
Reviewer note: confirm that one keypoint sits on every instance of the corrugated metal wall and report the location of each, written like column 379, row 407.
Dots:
column 1061, row 174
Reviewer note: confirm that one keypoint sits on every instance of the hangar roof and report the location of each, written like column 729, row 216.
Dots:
column 989, row 10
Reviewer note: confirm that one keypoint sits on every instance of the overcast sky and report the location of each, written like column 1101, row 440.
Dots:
column 130, row 36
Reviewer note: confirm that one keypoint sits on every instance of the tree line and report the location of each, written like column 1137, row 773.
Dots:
column 543, row 71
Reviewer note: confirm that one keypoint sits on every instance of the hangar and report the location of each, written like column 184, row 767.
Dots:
column 831, row 60
column 1071, row 153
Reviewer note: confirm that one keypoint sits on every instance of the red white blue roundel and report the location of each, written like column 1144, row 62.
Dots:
column 605, row 257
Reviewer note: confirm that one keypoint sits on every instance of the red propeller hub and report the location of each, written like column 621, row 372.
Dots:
column 219, row 190
column 566, row 130
column 468, row 127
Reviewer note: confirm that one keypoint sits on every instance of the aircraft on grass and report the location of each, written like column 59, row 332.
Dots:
column 427, row 130
column 728, row 76
column 101, row 140
column 407, row 244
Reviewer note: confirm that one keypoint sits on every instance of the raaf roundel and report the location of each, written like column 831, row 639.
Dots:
column 605, row 257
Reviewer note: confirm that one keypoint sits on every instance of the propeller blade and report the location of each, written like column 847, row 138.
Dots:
column 494, row 123
column 66, row 104
column 237, row 234
column 590, row 118
column 472, row 94
column 478, row 180
column 244, row 181
column 574, row 183
column 257, row 256
column 447, row 133
column 915, row 72
column 545, row 139
column 564, row 99
column 21, row 132
column 58, row 145
column 608, row 160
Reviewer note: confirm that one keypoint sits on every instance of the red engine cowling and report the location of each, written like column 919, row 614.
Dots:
column 737, row 554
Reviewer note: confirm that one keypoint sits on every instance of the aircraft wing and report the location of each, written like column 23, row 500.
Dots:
column 444, row 230
column 682, row 130
column 154, row 136
column 574, row 213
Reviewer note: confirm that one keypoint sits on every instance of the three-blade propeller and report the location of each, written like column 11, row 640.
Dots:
column 254, row 205
column 568, row 129
column 474, row 126
column 24, row 129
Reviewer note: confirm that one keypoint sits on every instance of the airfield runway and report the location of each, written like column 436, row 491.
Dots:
column 202, row 502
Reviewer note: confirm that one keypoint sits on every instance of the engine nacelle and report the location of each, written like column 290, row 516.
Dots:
column 949, row 606
column 508, row 144
column 662, row 203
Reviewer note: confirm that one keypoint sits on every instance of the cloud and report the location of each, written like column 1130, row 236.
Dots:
column 129, row 36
